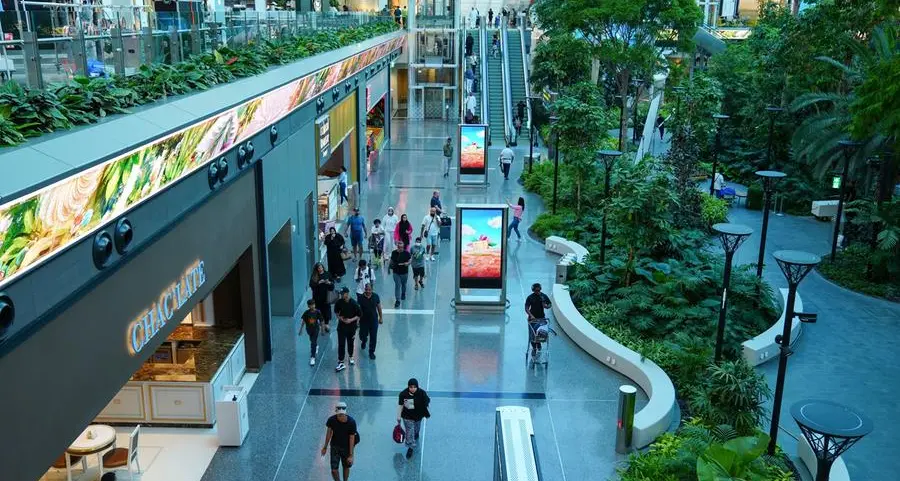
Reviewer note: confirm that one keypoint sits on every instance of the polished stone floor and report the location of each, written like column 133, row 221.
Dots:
column 470, row 362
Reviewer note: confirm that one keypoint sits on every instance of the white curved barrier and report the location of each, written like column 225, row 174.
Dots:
column 805, row 453
column 763, row 347
column 656, row 417
column 561, row 246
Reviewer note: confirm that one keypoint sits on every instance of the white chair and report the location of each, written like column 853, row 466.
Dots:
column 120, row 457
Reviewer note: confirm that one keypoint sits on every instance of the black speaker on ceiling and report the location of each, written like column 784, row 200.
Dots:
column 123, row 236
column 102, row 249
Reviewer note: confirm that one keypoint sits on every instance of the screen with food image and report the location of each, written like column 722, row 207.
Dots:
column 481, row 249
column 472, row 153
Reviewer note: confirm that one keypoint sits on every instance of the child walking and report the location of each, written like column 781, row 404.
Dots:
column 376, row 243
column 312, row 319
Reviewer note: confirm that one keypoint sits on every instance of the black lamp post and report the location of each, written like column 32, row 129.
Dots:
column 769, row 179
column 678, row 91
column 531, row 100
column 830, row 429
column 773, row 112
column 553, row 120
column 609, row 158
column 795, row 265
column 731, row 236
column 720, row 119
column 848, row 147
column 637, row 91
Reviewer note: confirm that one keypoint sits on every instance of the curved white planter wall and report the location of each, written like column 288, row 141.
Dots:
column 763, row 348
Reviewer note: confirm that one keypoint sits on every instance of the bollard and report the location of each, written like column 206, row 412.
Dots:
column 625, row 421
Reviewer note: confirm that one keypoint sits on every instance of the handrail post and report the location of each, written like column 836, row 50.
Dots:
column 32, row 60
column 118, row 47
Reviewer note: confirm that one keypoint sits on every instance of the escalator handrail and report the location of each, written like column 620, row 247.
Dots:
column 525, row 73
column 507, row 88
column 482, row 65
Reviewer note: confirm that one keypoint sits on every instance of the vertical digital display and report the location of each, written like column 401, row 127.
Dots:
column 323, row 129
column 472, row 149
column 481, row 248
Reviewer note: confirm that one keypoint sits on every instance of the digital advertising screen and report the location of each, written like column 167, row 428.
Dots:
column 481, row 247
column 472, row 149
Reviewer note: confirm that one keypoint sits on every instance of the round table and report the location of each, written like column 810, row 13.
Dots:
column 95, row 439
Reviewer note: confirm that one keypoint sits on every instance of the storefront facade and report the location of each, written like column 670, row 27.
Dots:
column 163, row 288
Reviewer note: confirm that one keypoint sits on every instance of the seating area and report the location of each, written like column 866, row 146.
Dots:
column 99, row 440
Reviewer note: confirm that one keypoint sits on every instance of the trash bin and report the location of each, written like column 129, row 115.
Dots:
column 232, row 420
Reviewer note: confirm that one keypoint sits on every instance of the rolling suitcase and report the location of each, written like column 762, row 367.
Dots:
column 445, row 228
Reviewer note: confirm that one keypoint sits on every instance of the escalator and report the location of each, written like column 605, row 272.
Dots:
column 494, row 85
column 476, row 51
column 516, row 72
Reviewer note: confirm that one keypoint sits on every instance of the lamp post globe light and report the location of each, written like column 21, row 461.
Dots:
column 830, row 429
column 773, row 112
column 608, row 157
column 553, row 120
column 769, row 179
column 531, row 100
column 795, row 265
column 731, row 236
column 848, row 146
column 720, row 119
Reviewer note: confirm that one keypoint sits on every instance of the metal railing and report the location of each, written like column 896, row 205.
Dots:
column 44, row 42
column 523, row 31
column 482, row 66
column 508, row 128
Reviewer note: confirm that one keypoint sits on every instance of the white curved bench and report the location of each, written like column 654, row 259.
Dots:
column 561, row 246
column 805, row 453
column 656, row 417
column 762, row 347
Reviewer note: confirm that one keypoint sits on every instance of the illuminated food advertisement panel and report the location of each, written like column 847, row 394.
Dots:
column 472, row 149
column 36, row 226
column 481, row 245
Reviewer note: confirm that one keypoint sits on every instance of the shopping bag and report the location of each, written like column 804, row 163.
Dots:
column 399, row 434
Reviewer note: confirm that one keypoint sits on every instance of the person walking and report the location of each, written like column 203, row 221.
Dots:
column 356, row 227
column 535, row 305
column 520, row 110
column 400, row 260
column 403, row 231
column 431, row 227
column 341, row 436
column 412, row 408
column 397, row 15
column 389, row 222
column 363, row 276
column 473, row 15
column 342, row 183
column 506, row 160
column 471, row 102
column 372, row 317
column 436, row 202
column 376, row 242
column 417, row 254
column 490, row 16
column 517, row 211
column 321, row 284
column 470, row 80
column 470, row 42
column 718, row 184
column 448, row 156
column 348, row 314
column 334, row 248
column 497, row 21
column 495, row 46
column 311, row 319
column 517, row 124
column 660, row 124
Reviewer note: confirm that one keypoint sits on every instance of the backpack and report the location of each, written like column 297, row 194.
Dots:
column 448, row 150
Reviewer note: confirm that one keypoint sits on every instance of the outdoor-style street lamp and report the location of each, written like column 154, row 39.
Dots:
column 769, row 179
column 608, row 157
column 773, row 112
column 720, row 119
column 795, row 265
column 531, row 100
column 848, row 147
column 731, row 236
column 553, row 120
column 830, row 429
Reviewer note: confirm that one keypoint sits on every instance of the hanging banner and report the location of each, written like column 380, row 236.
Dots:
column 472, row 149
column 481, row 245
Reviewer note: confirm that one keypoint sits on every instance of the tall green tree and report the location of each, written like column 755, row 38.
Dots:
column 625, row 35
column 560, row 60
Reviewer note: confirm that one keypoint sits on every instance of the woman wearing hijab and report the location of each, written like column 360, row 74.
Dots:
column 389, row 222
column 321, row 284
column 403, row 231
column 334, row 246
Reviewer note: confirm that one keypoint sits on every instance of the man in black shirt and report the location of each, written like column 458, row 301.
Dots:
column 370, row 305
column 412, row 407
column 436, row 202
column 311, row 319
column 348, row 314
column 341, row 436
column 534, row 307
column 400, row 260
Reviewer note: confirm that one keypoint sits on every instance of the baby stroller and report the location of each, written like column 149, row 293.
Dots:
column 376, row 247
column 539, row 331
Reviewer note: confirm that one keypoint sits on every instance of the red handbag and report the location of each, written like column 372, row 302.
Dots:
column 399, row 434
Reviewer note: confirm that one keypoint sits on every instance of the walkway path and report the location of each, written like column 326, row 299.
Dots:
column 471, row 363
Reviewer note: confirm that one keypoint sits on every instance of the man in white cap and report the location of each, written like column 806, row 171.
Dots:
column 341, row 436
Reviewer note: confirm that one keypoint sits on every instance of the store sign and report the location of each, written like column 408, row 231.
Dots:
column 323, row 127
column 42, row 223
column 836, row 182
column 142, row 330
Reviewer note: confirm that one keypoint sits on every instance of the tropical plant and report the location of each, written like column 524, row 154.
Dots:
column 734, row 394
column 713, row 210
column 560, row 60
column 32, row 111
column 737, row 459
column 88, row 100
